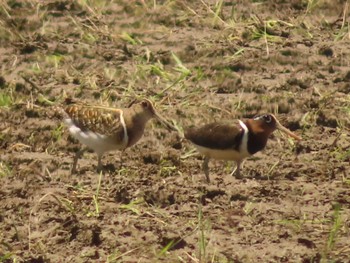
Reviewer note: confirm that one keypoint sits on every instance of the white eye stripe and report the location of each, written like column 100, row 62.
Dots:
column 266, row 118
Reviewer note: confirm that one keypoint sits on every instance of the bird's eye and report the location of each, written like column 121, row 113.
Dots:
column 267, row 118
column 144, row 104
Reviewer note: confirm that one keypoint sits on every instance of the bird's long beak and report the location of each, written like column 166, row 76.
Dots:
column 288, row 132
column 164, row 122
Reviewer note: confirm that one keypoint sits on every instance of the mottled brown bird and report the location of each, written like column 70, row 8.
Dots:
column 235, row 141
column 105, row 129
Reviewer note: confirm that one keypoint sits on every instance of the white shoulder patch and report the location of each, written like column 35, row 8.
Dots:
column 125, row 137
column 244, row 144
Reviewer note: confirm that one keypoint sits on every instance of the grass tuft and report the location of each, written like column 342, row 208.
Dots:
column 6, row 100
column 333, row 234
column 56, row 133
column 202, row 242
column 130, row 39
column 167, row 248
column 5, row 170
column 133, row 206
column 95, row 198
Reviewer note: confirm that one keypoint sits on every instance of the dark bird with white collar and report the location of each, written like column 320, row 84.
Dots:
column 235, row 141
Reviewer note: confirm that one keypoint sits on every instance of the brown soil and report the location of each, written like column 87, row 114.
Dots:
column 153, row 205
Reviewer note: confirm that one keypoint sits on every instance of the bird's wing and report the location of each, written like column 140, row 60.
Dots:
column 103, row 120
column 216, row 136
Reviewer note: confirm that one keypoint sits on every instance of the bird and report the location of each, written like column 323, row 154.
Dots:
column 105, row 129
column 235, row 141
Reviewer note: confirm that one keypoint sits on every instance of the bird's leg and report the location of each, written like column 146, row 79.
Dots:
column 206, row 168
column 99, row 163
column 237, row 171
column 234, row 170
column 78, row 155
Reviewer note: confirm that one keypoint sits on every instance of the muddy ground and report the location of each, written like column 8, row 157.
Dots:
column 199, row 61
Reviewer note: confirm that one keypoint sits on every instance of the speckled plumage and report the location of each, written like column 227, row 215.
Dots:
column 101, row 120
column 104, row 129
